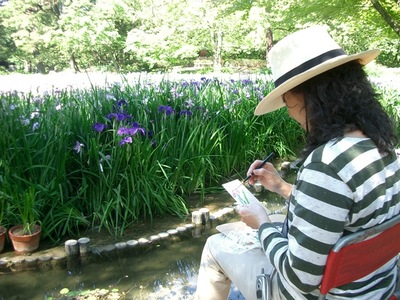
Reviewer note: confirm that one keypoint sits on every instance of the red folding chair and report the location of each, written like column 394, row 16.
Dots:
column 355, row 256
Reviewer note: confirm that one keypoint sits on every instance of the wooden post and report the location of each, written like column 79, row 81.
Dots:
column 205, row 215
column 196, row 217
column 71, row 248
column 84, row 244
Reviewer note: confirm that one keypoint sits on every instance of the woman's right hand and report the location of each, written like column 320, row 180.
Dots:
column 269, row 177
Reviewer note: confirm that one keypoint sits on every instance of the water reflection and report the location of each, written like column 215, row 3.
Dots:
column 166, row 273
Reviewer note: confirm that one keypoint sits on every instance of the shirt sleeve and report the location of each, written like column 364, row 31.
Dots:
column 318, row 211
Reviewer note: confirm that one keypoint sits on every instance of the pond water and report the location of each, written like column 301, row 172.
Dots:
column 168, row 273
column 164, row 272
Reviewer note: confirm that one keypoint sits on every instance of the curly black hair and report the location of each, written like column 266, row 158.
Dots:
column 343, row 100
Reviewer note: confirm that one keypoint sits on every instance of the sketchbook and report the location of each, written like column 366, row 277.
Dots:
column 239, row 192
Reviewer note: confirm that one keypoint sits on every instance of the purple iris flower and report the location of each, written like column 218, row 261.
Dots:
column 123, row 131
column 78, row 147
column 247, row 81
column 99, row 127
column 119, row 116
column 131, row 130
column 196, row 85
column 185, row 113
column 126, row 140
column 121, row 103
column 118, row 106
column 168, row 110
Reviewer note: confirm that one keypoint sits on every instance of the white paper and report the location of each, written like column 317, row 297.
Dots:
column 239, row 192
column 238, row 237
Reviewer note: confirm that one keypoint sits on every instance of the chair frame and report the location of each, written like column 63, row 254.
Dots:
column 356, row 255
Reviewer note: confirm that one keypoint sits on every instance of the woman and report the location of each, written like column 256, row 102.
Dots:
column 349, row 180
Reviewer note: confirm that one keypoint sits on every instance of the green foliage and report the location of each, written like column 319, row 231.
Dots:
column 391, row 102
column 25, row 207
column 126, row 36
column 355, row 24
column 2, row 207
column 109, row 157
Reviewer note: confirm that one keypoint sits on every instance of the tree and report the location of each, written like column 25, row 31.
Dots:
column 50, row 35
column 122, row 35
column 31, row 24
column 356, row 24
column 95, row 34
column 7, row 47
column 389, row 14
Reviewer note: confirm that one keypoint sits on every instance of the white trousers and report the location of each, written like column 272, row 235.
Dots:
column 219, row 267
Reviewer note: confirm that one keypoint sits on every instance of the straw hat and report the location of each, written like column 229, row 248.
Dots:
column 301, row 56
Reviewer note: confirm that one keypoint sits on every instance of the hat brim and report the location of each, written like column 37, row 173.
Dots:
column 273, row 100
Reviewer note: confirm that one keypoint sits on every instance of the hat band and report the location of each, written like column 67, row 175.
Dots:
column 308, row 65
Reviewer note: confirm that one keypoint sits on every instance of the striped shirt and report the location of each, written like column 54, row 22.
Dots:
column 343, row 186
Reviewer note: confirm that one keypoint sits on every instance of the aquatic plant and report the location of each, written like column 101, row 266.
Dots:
column 107, row 157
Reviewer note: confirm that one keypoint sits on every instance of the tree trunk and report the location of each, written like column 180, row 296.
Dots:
column 385, row 15
column 27, row 66
column 218, row 50
column 269, row 38
column 74, row 64
column 40, row 68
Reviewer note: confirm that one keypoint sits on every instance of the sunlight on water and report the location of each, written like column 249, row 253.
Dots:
column 158, row 274
column 166, row 272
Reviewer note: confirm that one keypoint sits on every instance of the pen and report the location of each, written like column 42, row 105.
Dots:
column 260, row 166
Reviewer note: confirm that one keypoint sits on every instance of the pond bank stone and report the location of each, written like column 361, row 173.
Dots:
column 80, row 251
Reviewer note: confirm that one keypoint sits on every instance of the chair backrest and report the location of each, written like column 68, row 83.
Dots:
column 356, row 255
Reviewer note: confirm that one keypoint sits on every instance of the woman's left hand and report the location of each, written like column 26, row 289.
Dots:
column 253, row 215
